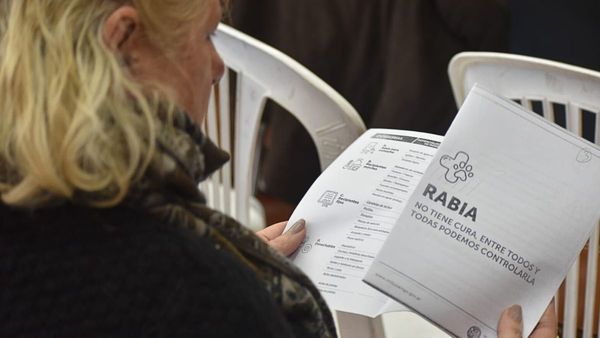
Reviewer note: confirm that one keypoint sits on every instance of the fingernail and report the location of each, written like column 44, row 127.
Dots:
column 296, row 228
column 515, row 313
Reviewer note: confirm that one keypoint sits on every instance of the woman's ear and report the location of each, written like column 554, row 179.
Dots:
column 121, row 27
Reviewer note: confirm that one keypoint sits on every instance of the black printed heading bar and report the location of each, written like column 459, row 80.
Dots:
column 408, row 139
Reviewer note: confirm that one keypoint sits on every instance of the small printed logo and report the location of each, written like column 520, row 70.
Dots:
column 327, row 198
column 305, row 245
column 584, row 156
column 474, row 332
column 369, row 148
column 354, row 165
column 457, row 167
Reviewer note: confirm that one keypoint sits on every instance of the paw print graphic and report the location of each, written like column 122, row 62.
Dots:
column 474, row 332
column 457, row 167
column 584, row 156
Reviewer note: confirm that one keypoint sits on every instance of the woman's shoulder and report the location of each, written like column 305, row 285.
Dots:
column 120, row 271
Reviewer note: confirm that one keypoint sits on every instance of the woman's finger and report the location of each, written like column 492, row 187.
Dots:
column 271, row 232
column 287, row 243
column 511, row 323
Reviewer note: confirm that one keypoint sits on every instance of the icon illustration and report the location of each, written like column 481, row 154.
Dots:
column 584, row 156
column 327, row 198
column 305, row 245
column 353, row 165
column 474, row 332
column 306, row 248
column 457, row 167
column 369, row 148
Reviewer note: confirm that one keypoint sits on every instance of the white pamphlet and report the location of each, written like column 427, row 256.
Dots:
column 493, row 217
column 352, row 207
column 497, row 219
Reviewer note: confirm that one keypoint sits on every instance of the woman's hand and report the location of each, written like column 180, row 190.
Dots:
column 286, row 243
column 511, row 323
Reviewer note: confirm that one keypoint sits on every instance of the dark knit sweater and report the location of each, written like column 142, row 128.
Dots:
column 78, row 272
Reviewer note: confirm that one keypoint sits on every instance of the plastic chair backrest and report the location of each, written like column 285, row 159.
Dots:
column 233, row 121
column 262, row 73
column 566, row 95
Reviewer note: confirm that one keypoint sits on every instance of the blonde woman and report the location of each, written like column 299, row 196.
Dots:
column 102, row 229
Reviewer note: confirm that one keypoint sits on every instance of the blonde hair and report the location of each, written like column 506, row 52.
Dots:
column 72, row 122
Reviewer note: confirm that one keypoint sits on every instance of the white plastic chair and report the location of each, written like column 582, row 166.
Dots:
column 564, row 94
column 233, row 122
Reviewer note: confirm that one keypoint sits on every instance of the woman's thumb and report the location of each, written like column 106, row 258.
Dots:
column 511, row 323
column 288, row 242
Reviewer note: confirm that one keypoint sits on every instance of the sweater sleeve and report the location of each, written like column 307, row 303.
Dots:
column 210, row 294
column 81, row 274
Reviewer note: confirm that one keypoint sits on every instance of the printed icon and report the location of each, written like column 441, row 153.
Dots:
column 327, row 198
column 474, row 332
column 353, row 165
column 306, row 246
column 369, row 148
column 584, row 156
column 457, row 167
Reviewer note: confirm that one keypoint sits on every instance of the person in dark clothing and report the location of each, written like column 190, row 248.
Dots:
column 388, row 58
column 103, row 231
